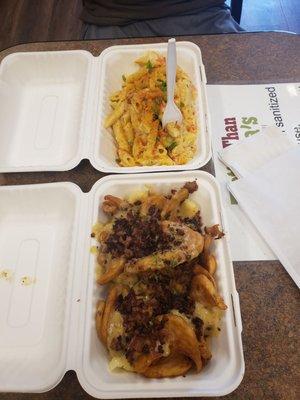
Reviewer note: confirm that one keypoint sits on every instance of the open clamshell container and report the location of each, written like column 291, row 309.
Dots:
column 53, row 105
column 47, row 327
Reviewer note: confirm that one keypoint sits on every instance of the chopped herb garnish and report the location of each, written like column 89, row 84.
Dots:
column 149, row 66
column 173, row 263
column 163, row 86
column 124, row 78
column 172, row 146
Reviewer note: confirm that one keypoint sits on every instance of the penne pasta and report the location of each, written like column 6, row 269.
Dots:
column 125, row 159
column 116, row 114
column 137, row 111
column 120, row 136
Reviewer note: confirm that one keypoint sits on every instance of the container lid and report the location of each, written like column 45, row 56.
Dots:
column 39, row 227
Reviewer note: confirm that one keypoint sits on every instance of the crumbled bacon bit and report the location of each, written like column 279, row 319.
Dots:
column 135, row 236
column 160, row 349
column 146, row 349
column 164, row 291
column 156, row 293
column 117, row 343
column 198, row 323
column 214, row 231
column 191, row 186
column 194, row 222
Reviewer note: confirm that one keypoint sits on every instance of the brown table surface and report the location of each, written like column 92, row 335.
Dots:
column 269, row 298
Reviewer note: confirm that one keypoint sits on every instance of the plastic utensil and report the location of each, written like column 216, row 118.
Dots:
column 172, row 112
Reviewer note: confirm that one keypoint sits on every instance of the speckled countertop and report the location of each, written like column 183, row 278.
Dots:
column 270, row 301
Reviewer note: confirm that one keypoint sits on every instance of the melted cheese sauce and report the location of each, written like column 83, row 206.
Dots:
column 138, row 195
column 119, row 360
column 115, row 327
column 179, row 314
column 97, row 228
column 126, row 279
column 188, row 209
column 211, row 318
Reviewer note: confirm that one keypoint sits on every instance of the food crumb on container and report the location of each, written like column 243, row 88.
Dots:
column 6, row 274
column 27, row 281
column 94, row 250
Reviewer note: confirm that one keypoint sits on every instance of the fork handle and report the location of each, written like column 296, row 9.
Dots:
column 171, row 69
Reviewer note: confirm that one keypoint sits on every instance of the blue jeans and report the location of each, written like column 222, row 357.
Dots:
column 211, row 20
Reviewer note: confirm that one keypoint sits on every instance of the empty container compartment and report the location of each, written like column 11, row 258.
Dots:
column 41, row 107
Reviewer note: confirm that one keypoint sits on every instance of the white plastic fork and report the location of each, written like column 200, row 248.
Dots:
column 172, row 112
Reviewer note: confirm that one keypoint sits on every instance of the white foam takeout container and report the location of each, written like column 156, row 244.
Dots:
column 53, row 105
column 47, row 327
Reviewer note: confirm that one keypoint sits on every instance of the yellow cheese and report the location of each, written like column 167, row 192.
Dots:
column 188, row 208
column 6, row 274
column 94, row 250
column 119, row 361
column 115, row 327
column 211, row 318
column 179, row 314
column 138, row 195
column 97, row 228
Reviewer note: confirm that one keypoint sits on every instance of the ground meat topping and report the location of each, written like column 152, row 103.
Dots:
column 142, row 326
column 198, row 324
column 118, row 343
column 143, row 308
column 135, row 236
column 214, row 231
column 194, row 222
column 150, row 297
